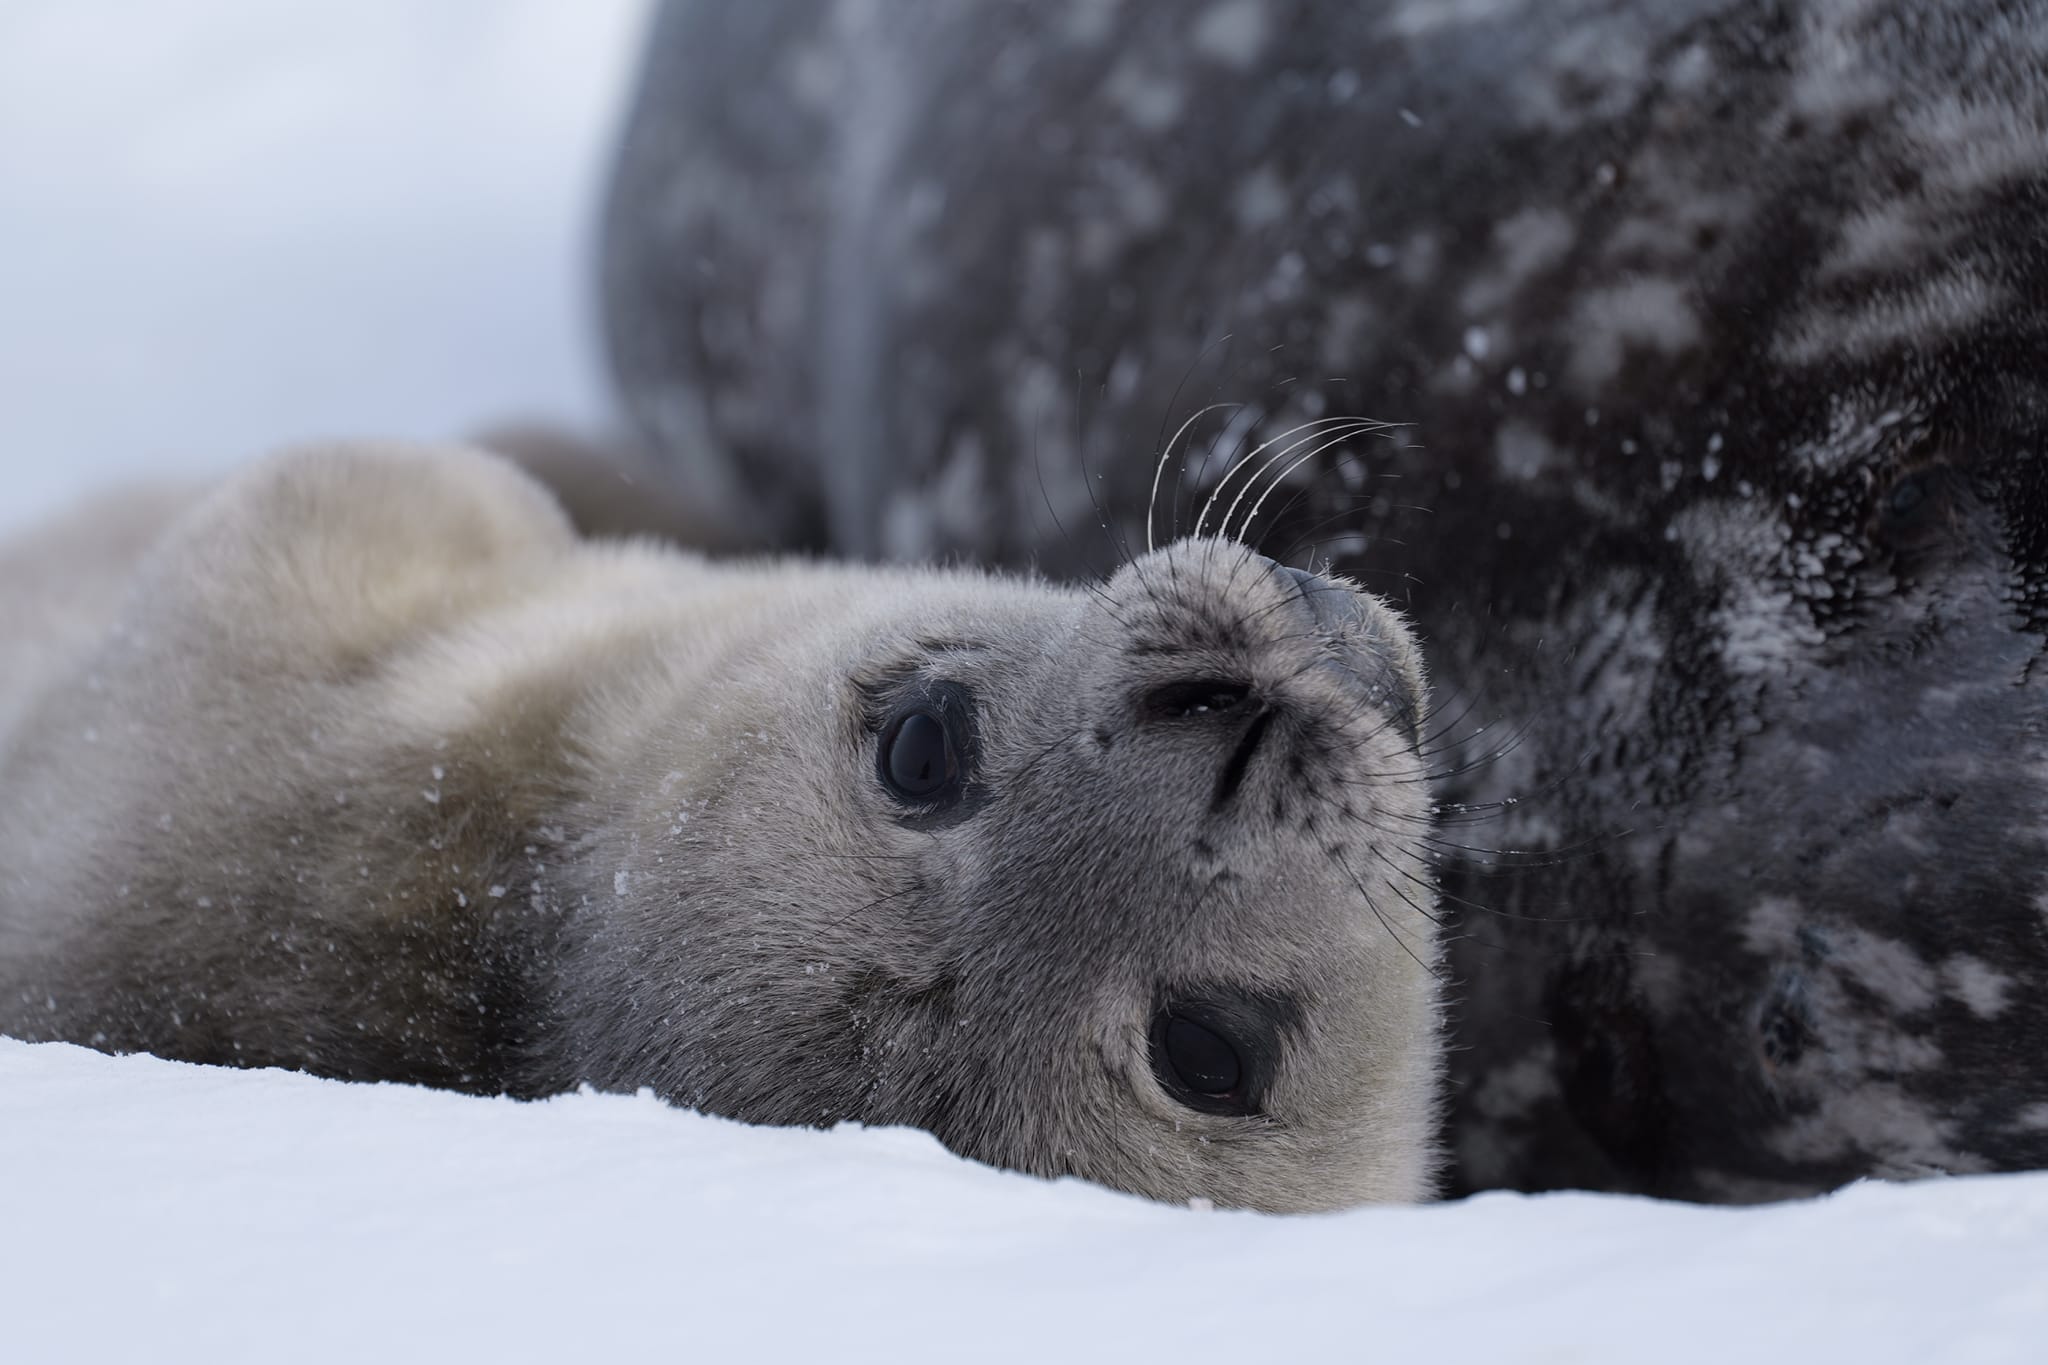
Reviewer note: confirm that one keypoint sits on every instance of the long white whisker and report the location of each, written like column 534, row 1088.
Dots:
column 1159, row 470
column 1254, row 454
column 1347, row 425
column 1281, row 477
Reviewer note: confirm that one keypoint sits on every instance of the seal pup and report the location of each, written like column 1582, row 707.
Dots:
column 1718, row 332
column 377, row 770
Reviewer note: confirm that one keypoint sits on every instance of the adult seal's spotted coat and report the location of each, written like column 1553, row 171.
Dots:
column 365, row 763
column 1718, row 334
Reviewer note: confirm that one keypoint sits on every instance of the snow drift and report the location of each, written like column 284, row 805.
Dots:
column 153, row 1210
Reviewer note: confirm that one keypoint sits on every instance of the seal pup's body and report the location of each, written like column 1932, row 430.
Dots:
column 1719, row 334
column 374, row 768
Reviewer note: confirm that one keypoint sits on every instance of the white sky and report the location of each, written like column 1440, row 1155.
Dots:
column 227, row 224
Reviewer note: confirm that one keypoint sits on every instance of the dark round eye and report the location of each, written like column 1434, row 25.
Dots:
column 927, row 753
column 1916, row 513
column 1908, row 496
column 1203, row 1059
column 918, row 757
column 1210, row 1057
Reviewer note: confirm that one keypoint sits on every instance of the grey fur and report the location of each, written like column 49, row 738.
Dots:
column 1719, row 330
column 375, row 769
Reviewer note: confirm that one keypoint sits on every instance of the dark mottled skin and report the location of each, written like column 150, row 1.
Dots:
column 1718, row 334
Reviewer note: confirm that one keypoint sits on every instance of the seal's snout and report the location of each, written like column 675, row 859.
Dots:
column 1369, row 646
column 1212, row 628
column 1334, row 607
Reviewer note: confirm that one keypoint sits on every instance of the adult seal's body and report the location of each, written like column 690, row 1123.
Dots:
column 364, row 763
column 1720, row 333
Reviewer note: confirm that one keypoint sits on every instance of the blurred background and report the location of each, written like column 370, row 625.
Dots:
column 226, row 225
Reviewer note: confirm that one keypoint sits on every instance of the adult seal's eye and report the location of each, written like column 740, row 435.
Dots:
column 918, row 758
column 1916, row 513
column 1907, row 497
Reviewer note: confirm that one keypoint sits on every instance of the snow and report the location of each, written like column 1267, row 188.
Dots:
column 170, row 1212
column 234, row 224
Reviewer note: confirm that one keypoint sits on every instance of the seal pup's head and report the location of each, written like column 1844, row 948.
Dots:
column 1124, row 882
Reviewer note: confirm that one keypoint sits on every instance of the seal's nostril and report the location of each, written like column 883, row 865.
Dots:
column 1194, row 697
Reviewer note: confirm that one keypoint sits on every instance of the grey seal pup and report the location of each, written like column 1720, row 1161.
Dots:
column 364, row 763
column 1717, row 333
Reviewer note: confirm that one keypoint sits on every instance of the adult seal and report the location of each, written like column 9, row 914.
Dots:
column 1718, row 334
column 364, row 763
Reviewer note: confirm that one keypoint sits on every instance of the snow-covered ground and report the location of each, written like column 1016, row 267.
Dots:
column 230, row 225
column 153, row 1211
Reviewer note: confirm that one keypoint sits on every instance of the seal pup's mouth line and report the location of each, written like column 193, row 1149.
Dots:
column 1232, row 776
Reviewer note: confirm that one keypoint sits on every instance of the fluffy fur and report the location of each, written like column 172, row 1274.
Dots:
column 374, row 768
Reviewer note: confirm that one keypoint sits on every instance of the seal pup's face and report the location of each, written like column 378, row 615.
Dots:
column 1123, row 883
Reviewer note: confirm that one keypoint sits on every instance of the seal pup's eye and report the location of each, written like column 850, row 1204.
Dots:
column 926, row 755
column 1201, row 1058
column 917, row 757
column 1216, row 1057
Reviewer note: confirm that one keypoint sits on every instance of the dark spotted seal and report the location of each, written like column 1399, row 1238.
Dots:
column 1718, row 330
column 365, row 764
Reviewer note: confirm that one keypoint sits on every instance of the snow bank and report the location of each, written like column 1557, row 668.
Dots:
column 151, row 1210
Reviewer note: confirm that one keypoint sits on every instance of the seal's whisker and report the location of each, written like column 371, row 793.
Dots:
column 1349, row 511
column 1159, row 470
column 1343, row 428
column 1495, row 911
column 1166, row 416
column 1038, row 469
column 1231, row 436
column 1046, row 752
column 1245, row 526
column 1107, row 601
column 1436, row 816
column 1447, row 744
column 1437, row 736
column 1541, row 857
column 877, row 902
column 1392, row 932
column 1427, row 753
column 1102, row 517
column 1311, row 426
column 1293, row 595
column 1356, row 426
column 1446, row 924
column 1461, row 850
column 1441, row 921
column 1348, row 505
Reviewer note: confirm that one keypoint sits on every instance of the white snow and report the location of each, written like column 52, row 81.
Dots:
column 231, row 224
column 151, row 1210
